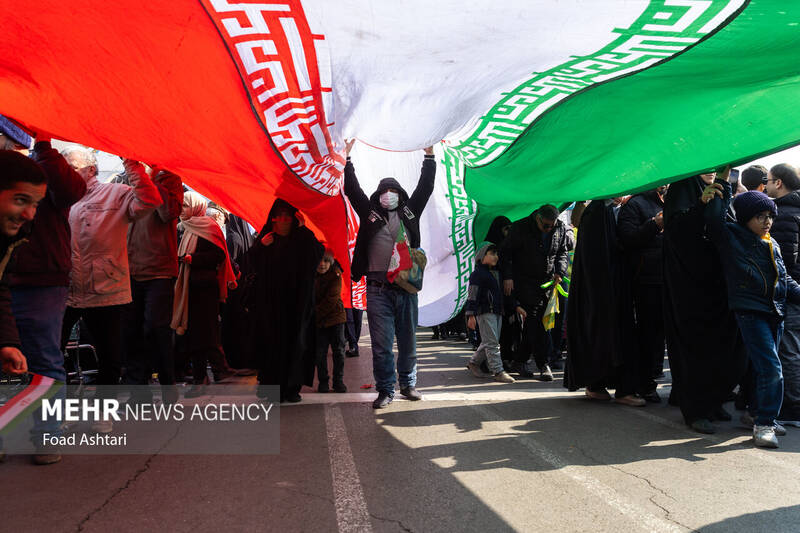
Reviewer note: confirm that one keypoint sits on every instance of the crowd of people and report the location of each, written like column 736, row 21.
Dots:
column 165, row 283
column 691, row 270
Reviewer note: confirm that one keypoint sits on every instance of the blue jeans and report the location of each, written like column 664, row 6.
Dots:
column 762, row 336
column 390, row 313
column 39, row 312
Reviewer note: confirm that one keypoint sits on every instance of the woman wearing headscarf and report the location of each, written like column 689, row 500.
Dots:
column 601, row 343
column 203, row 280
column 234, row 317
column 284, row 262
column 706, row 355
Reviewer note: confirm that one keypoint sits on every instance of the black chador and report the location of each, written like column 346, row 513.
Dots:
column 600, row 334
column 706, row 355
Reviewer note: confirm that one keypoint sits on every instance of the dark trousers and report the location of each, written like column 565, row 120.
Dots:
column 649, row 308
column 105, row 329
column 148, row 334
column 353, row 330
column 332, row 336
column 535, row 340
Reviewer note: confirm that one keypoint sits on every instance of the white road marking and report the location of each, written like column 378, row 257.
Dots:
column 594, row 486
column 351, row 507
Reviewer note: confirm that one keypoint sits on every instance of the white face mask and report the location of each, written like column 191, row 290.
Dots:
column 389, row 200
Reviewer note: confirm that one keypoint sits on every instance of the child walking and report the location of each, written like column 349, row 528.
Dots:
column 484, row 310
column 331, row 320
column 757, row 291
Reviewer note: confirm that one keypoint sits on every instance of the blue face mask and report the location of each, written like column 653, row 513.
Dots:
column 389, row 200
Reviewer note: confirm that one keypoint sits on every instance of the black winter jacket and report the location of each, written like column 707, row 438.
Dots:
column 641, row 238
column 373, row 217
column 485, row 292
column 524, row 259
column 47, row 259
column 754, row 271
column 786, row 230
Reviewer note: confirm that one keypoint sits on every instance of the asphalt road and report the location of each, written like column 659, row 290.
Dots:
column 473, row 456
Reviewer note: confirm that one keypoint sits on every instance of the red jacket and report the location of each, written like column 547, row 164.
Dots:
column 153, row 239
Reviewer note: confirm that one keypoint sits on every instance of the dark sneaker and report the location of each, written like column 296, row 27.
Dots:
column 323, row 387
column 721, row 414
column 546, row 374
column 651, row 397
column 383, row 400
column 339, row 386
column 351, row 353
column 557, row 365
column 293, row 397
column 522, row 370
column 703, row 425
column 411, row 393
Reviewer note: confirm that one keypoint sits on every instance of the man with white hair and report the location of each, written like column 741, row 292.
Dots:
column 100, row 279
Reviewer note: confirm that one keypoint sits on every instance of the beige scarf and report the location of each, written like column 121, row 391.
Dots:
column 197, row 225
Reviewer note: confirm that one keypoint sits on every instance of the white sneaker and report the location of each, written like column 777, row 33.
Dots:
column 764, row 436
column 103, row 426
column 779, row 429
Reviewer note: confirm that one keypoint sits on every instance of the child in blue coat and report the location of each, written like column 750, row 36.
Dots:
column 757, row 291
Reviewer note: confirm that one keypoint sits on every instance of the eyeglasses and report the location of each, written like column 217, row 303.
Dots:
column 763, row 217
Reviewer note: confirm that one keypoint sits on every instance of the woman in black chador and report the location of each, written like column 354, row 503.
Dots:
column 601, row 341
column 283, row 260
column 706, row 355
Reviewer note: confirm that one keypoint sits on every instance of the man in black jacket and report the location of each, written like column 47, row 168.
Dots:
column 783, row 185
column 390, row 308
column 22, row 187
column 535, row 252
column 640, row 229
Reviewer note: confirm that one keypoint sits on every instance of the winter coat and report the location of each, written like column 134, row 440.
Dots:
column 328, row 298
column 99, row 224
column 524, row 259
column 373, row 217
column 152, row 239
column 485, row 292
column 46, row 260
column 786, row 230
column 754, row 271
column 641, row 238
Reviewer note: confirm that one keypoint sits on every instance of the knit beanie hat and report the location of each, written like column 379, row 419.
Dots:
column 750, row 203
column 483, row 248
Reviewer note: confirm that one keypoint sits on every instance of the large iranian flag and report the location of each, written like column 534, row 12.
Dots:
column 536, row 100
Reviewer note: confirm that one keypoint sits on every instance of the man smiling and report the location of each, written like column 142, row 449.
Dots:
column 22, row 186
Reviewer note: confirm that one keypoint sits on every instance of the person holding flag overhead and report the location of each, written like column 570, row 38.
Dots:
column 389, row 227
